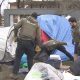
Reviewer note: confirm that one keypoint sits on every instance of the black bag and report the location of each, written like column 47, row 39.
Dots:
column 75, row 68
column 41, row 57
column 54, row 63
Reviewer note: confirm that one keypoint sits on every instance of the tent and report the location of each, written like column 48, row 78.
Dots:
column 3, row 38
column 7, row 45
column 58, row 28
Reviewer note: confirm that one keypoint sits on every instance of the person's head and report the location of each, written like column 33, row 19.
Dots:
column 73, row 22
column 34, row 15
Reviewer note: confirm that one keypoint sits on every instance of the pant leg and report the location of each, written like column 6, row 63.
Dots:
column 63, row 49
column 29, row 48
column 76, row 50
column 18, row 56
column 30, row 59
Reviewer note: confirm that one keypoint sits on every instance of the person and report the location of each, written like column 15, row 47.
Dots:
column 58, row 47
column 26, row 33
column 76, row 36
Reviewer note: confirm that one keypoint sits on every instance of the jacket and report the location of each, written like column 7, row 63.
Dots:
column 25, row 30
column 76, row 34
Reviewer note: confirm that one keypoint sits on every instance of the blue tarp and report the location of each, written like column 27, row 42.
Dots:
column 57, row 27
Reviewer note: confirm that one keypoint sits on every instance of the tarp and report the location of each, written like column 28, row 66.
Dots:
column 57, row 27
column 3, row 38
column 7, row 44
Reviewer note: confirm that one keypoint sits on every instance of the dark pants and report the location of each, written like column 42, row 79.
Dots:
column 63, row 49
column 77, row 48
column 26, row 47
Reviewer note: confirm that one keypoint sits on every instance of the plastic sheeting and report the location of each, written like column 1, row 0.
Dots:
column 43, row 71
column 69, row 76
column 3, row 38
column 7, row 44
column 10, row 44
column 57, row 27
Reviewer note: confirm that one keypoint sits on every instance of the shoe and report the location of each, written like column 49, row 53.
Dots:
column 13, row 76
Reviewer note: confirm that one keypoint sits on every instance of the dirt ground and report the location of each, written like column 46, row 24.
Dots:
column 6, row 70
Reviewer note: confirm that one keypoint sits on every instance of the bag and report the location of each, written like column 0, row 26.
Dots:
column 43, row 71
column 55, row 63
column 41, row 57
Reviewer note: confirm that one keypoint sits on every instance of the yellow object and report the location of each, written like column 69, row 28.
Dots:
column 37, row 49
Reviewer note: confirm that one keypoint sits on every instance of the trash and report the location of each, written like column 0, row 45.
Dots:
column 69, row 76
column 41, row 57
column 23, row 70
column 55, row 57
column 54, row 61
column 23, row 65
column 43, row 71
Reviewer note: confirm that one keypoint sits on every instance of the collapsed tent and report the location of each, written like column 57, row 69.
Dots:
column 57, row 27
column 3, row 37
column 7, row 44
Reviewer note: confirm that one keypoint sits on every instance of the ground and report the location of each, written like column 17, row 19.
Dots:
column 6, row 70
